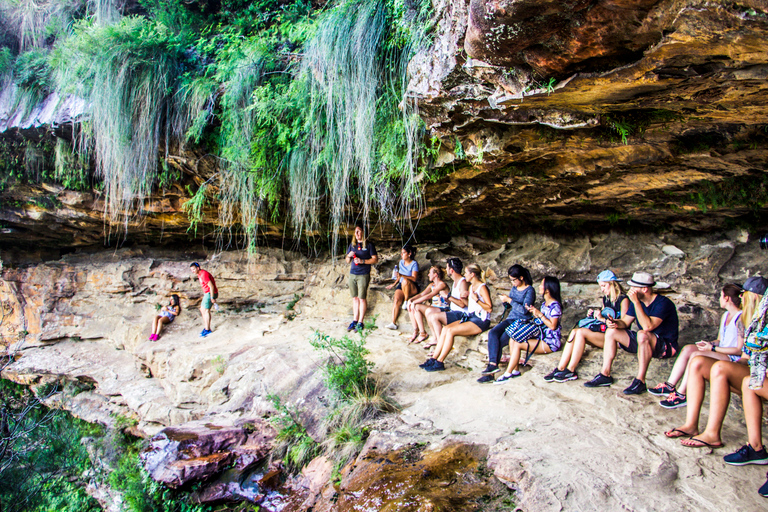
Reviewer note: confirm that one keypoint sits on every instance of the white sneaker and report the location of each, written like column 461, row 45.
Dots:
column 391, row 326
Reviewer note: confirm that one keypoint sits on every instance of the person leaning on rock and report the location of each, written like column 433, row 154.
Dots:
column 210, row 294
column 361, row 254
column 656, row 316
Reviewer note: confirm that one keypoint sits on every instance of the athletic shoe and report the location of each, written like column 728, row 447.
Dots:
column 352, row 326
column 747, row 455
column 673, row 401
column 763, row 490
column 504, row 378
column 551, row 375
column 636, row 388
column 427, row 363
column 599, row 381
column 360, row 326
column 392, row 326
column 491, row 368
column 205, row 333
column 566, row 375
column 437, row 366
column 662, row 389
column 485, row 378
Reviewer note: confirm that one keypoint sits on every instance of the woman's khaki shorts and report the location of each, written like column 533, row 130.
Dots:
column 358, row 285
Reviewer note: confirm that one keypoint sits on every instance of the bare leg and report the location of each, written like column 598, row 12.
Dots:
column 612, row 339
column 713, row 355
column 159, row 325
column 753, row 411
column 681, row 363
column 362, row 307
column 355, row 308
column 565, row 357
column 206, row 318
column 583, row 336
column 724, row 376
column 436, row 320
column 154, row 324
column 419, row 311
column 698, row 374
column 398, row 300
column 409, row 289
column 450, row 332
column 646, row 342
column 516, row 348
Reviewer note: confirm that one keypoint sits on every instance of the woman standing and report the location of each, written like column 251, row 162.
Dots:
column 521, row 296
column 547, row 336
column 360, row 255
column 477, row 320
column 615, row 300
column 405, row 275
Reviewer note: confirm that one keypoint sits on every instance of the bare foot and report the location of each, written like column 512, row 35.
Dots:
column 702, row 441
column 679, row 432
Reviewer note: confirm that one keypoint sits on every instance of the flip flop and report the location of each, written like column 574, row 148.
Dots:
column 429, row 345
column 423, row 337
column 676, row 432
column 701, row 444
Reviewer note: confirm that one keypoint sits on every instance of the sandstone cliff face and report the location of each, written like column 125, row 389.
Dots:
column 577, row 114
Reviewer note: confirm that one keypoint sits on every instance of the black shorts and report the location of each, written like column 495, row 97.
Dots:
column 415, row 285
column 663, row 350
column 453, row 316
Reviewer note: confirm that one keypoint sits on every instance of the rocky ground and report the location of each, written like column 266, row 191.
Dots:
column 562, row 446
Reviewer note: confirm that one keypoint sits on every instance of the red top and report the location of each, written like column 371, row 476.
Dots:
column 206, row 278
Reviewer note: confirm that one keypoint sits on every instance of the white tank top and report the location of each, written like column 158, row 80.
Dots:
column 729, row 333
column 474, row 306
column 456, row 294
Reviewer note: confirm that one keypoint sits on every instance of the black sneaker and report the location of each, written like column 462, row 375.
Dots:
column 599, row 381
column 636, row 388
column 352, row 326
column 491, row 368
column 763, row 490
column 566, row 375
column 551, row 375
column 486, row 378
column 427, row 363
column 360, row 326
column 747, row 455
column 437, row 366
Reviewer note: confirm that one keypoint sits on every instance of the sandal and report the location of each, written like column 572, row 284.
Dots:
column 423, row 336
column 413, row 338
column 430, row 344
column 676, row 432
column 698, row 443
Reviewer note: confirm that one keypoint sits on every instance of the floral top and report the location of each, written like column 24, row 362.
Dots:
column 552, row 336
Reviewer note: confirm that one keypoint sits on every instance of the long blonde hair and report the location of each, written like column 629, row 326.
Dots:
column 614, row 291
column 749, row 303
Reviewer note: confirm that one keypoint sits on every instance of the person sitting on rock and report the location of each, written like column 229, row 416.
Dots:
column 545, row 328
column 754, row 389
column 614, row 300
column 520, row 298
column 726, row 347
column 418, row 306
column 475, row 321
column 168, row 314
column 723, row 376
column 457, row 300
column 405, row 275
column 657, row 318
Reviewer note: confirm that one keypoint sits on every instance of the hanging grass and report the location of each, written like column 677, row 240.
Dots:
column 128, row 72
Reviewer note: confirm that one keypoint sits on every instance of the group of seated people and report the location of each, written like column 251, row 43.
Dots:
column 734, row 362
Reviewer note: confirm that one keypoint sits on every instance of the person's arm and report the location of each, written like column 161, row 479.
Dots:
column 414, row 273
column 714, row 346
column 551, row 323
column 484, row 299
column 529, row 297
column 461, row 301
column 645, row 322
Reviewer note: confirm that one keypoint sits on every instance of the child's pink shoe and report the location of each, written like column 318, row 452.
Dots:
column 153, row 337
